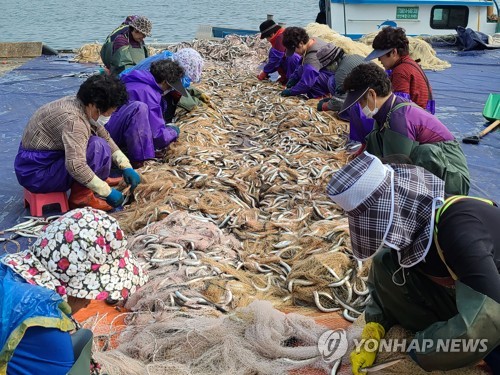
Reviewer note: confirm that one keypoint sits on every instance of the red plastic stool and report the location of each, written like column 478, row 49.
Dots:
column 38, row 201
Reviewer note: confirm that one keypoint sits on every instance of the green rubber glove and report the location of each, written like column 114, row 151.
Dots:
column 361, row 357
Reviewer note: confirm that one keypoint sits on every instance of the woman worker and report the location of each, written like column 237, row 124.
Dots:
column 138, row 127
column 64, row 146
column 435, row 268
column 310, row 78
column 277, row 60
column 79, row 257
column 402, row 127
column 125, row 47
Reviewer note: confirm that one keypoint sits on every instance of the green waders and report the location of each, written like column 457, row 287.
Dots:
column 82, row 347
column 439, row 315
column 443, row 159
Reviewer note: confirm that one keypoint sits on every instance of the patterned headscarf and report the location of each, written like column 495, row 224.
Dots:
column 192, row 63
column 81, row 254
column 387, row 207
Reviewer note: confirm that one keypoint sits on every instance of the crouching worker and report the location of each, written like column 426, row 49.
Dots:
column 402, row 127
column 310, row 78
column 138, row 127
column 277, row 60
column 79, row 257
column 436, row 263
column 64, row 146
column 334, row 59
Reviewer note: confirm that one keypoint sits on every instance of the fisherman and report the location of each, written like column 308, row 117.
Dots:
column 334, row 59
column 138, row 127
column 81, row 256
column 64, row 146
column 436, row 263
column 277, row 60
column 402, row 127
column 309, row 78
column 392, row 48
column 125, row 47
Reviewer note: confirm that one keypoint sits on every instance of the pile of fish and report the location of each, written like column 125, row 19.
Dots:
column 256, row 166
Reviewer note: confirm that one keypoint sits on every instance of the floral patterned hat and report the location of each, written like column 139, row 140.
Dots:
column 81, row 254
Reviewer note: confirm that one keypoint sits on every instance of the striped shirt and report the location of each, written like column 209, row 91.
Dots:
column 63, row 125
column 407, row 77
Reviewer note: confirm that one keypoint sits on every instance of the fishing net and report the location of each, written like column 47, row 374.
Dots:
column 257, row 339
column 419, row 48
column 349, row 46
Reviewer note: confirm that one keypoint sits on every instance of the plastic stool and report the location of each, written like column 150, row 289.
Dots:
column 38, row 201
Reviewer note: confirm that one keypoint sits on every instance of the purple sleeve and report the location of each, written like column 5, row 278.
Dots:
column 419, row 125
column 119, row 42
column 296, row 73
column 307, row 80
column 162, row 136
column 359, row 124
column 274, row 61
column 403, row 95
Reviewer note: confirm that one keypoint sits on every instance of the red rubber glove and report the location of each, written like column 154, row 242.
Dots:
column 262, row 76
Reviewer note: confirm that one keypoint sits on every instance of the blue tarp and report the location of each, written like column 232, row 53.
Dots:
column 460, row 94
column 22, row 91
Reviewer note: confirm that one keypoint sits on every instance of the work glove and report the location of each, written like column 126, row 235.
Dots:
column 323, row 105
column 262, row 76
column 175, row 128
column 291, row 82
column 286, row 92
column 205, row 98
column 115, row 198
column 361, row 357
column 131, row 177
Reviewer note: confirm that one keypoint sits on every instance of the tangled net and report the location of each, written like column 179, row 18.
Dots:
column 419, row 48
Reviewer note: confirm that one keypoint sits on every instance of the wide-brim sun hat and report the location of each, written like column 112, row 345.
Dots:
column 268, row 28
column 376, row 53
column 352, row 97
column 142, row 24
column 82, row 254
column 388, row 206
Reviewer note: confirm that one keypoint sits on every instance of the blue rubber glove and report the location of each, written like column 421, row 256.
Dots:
column 175, row 128
column 131, row 177
column 115, row 198
column 286, row 92
column 291, row 83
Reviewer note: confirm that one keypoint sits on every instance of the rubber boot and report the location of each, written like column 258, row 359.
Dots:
column 82, row 196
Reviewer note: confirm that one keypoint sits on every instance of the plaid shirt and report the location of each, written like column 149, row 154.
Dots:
column 63, row 125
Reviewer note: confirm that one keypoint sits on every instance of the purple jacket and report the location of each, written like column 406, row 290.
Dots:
column 312, row 79
column 413, row 122
column 277, row 60
column 142, row 87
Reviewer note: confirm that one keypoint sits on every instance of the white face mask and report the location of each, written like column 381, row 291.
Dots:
column 368, row 112
column 102, row 120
